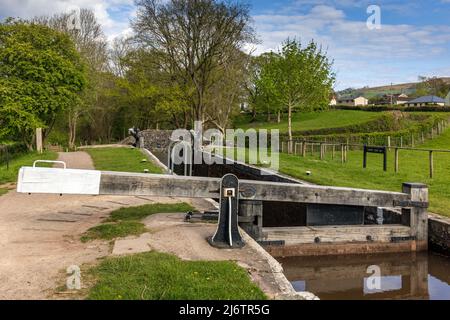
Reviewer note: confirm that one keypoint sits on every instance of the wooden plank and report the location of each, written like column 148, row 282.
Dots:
column 62, row 181
column 116, row 183
column 335, row 234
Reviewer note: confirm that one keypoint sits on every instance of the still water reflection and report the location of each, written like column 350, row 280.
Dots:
column 403, row 276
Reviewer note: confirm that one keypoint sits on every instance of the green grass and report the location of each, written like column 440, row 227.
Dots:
column 413, row 167
column 309, row 120
column 10, row 175
column 121, row 159
column 3, row 191
column 126, row 221
column 109, row 231
column 160, row 276
column 138, row 213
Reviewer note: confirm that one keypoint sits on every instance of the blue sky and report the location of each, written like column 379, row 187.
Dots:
column 414, row 38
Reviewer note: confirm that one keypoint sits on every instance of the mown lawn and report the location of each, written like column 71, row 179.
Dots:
column 126, row 221
column 121, row 159
column 309, row 120
column 160, row 276
column 413, row 167
column 10, row 174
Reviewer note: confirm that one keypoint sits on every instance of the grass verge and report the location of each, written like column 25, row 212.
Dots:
column 126, row 221
column 305, row 121
column 160, row 276
column 10, row 174
column 121, row 159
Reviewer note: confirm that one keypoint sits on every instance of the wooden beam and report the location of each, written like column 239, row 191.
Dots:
column 59, row 181
column 335, row 234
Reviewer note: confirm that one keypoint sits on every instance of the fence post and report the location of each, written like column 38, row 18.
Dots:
column 389, row 142
column 333, row 152
column 431, row 165
column 321, row 151
column 39, row 148
column 342, row 153
column 418, row 216
column 401, row 141
column 412, row 140
column 396, row 160
column 304, row 149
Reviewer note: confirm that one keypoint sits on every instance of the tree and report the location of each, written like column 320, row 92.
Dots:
column 91, row 43
column 193, row 39
column 432, row 86
column 41, row 74
column 297, row 78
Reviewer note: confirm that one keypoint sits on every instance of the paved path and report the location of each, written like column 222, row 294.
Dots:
column 39, row 235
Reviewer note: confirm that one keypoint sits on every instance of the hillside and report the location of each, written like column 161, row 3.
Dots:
column 407, row 88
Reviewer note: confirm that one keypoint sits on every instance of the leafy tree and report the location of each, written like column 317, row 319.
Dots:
column 41, row 74
column 297, row 79
column 90, row 42
column 432, row 86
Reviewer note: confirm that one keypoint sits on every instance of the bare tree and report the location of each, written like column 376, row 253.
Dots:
column 193, row 39
column 90, row 41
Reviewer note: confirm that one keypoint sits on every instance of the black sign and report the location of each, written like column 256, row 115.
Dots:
column 378, row 150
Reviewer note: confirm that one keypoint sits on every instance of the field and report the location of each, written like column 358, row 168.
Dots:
column 309, row 120
column 413, row 167
column 121, row 159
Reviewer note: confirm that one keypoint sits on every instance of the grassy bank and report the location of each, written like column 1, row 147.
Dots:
column 413, row 167
column 121, row 159
column 10, row 174
column 126, row 221
column 160, row 276
column 309, row 120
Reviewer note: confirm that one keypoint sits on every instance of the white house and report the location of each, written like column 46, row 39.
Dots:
column 354, row 101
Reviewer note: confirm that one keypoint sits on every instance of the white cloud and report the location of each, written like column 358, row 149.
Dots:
column 362, row 56
column 102, row 9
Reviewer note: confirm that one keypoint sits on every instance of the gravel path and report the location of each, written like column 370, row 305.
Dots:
column 39, row 235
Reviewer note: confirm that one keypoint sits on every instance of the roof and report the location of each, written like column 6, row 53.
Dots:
column 428, row 99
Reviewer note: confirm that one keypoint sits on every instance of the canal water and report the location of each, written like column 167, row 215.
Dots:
column 424, row 276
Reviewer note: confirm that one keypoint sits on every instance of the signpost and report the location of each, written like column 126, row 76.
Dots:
column 378, row 150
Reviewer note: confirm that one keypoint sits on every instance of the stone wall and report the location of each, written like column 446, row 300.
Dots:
column 153, row 139
column 439, row 233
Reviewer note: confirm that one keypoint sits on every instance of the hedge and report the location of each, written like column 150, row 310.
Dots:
column 430, row 108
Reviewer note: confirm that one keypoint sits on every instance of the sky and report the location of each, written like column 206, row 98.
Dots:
column 412, row 38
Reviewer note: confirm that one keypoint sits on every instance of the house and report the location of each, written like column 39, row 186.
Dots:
column 333, row 101
column 393, row 99
column 426, row 101
column 353, row 101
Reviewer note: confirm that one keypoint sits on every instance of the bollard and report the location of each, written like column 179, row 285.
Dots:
column 227, row 234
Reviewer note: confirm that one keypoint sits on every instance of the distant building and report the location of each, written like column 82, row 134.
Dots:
column 394, row 99
column 447, row 100
column 333, row 101
column 426, row 101
column 353, row 101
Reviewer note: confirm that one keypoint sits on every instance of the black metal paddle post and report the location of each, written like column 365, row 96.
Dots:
column 227, row 235
column 379, row 150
